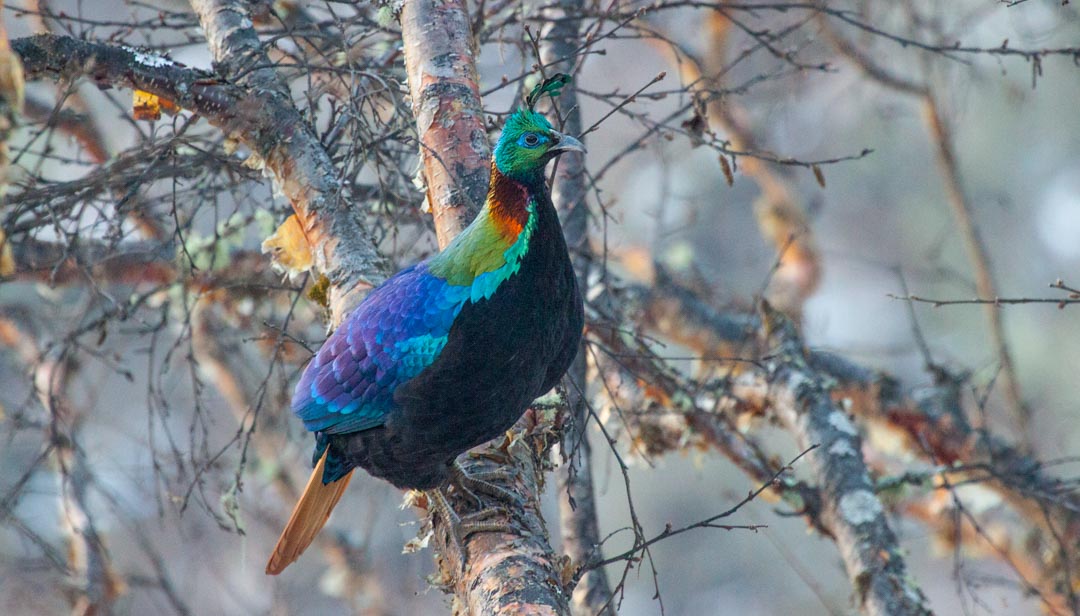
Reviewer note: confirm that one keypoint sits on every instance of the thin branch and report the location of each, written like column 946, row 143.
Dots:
column 850, row 508
column 963, row 212
column 578, row 517
column 959, row 202
column 248, row 107
column 997, row 301
column 242, row 375
column 930, row 424
column 95, row 583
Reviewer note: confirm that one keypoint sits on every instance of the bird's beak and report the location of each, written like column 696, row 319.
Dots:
column 566, row 143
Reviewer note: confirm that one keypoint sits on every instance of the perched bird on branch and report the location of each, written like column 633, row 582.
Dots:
column 447, row 354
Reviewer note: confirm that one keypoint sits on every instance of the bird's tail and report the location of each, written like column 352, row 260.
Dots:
column 308, row 517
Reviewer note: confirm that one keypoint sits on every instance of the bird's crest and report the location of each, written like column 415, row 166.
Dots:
column 551, row 86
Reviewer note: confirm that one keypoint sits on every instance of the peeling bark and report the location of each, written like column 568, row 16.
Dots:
column 440, row 59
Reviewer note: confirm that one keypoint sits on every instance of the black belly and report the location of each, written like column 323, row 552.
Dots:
column 501, row 354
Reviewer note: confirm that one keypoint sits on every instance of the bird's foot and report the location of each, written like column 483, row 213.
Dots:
column 460, row 527
column 471, row 483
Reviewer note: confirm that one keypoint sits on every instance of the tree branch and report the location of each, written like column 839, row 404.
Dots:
column 506, row 573
column 851, row 510
column 250, row 108
column 95, row 583
column 931, row 425
column 959, row 202
column 578, row 518
column 440, row 60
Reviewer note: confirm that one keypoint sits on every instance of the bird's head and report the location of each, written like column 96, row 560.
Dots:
column 527, row 143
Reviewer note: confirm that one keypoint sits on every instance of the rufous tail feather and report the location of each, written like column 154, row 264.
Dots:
column 307, row 519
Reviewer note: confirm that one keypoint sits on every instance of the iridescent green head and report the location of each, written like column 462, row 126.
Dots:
column 527, row 143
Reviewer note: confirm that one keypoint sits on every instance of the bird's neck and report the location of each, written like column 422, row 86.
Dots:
column 499, row 237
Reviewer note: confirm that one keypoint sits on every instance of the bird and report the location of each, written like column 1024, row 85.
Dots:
column 448, row 353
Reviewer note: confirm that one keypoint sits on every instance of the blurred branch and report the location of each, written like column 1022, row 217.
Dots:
column 851, row 511
column 781, row 216
column 931, row 425
column 985, row 285
column 63, row 263
column 578, row 518
column 962, row 208
column 243, row 377
column 12, row 94
column 136, row 263
column 855, row 20
column 94, row 583
column 79, row 125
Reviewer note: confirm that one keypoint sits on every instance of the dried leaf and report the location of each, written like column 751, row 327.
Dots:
column 7, row 259
column 566, row 570
column 818, row 175
column 417, row 543
column 12, row 86
column 12, row 83
column 147, row 106
column 289, row 248
column 729, row 175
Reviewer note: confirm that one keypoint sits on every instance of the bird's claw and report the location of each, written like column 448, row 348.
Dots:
column 459, row 527
column 471, row 483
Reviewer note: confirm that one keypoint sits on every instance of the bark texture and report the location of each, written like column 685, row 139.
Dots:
column 440, row 59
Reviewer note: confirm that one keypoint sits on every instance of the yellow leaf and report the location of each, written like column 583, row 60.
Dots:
column 7, row 259
column 147, row 106
column 12, row 83
column 289, row 248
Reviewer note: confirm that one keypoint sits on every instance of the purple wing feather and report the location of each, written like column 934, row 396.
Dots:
column 396, row 332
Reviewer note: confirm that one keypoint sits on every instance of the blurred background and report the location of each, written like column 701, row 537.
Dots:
column 188, row 503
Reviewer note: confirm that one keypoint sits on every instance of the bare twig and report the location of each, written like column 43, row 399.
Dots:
column 252, row 108
column 963, row 212
column 95, row 584
column 578, row 518
column 242, row 375
column 960, row 203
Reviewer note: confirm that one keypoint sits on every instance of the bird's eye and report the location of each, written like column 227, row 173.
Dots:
column 531, row 140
